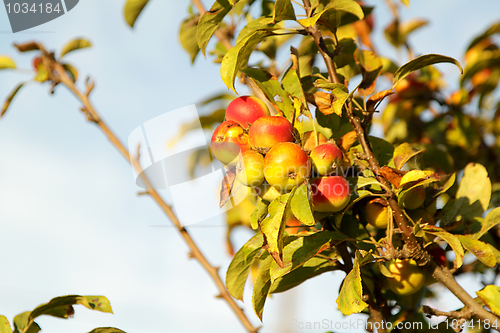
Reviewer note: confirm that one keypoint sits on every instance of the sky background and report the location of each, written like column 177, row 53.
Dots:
column 70, row 219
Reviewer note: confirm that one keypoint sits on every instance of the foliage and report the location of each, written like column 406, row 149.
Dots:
column 60, row 307
column 431, row 139
column 445, row 142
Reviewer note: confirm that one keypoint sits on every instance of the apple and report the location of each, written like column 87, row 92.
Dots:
column 267, row 132
column 378, row 213
column 250, row 168
column 308, row 141
column 228, row 141
column 438, row 254
column 286, row 165
column 267, row 192
column 330, row 194
column 245, row 110
column 414, row 198
column 325, row 158
column 408, row 277
column 292, row 225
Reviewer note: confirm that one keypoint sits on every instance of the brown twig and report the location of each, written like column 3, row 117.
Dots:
column 320, row 42
column 465, row 313
column 62, row 77
column 377, row 317
column 421, row 256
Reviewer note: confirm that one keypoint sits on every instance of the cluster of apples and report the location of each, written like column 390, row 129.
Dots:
column 270, row 156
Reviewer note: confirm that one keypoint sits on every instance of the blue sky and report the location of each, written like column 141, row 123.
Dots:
column 70, row 218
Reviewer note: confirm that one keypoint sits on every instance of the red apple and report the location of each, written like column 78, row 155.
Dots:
column 308, row 141
column 245, row 110
column 330, row 194
column 266, row 132
column 326, row 158
column 228, row 141
column 286, row 165
column 438, row 254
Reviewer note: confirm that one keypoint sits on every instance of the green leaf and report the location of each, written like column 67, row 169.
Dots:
column 420, row 62
column 21, row 322
column 480, row 250
column 496, row 253
column 71, row 71
column 74, row 45
column 239, row 267
column 367, row 181
column 311, row 268
column 9, row 99
column 371, row 66
column 448, row 185
column 291, row 83
column 350, row 299
column 490, row 295
column 210, row 21
column 6, row 62
column 330, row 17
column 257, row 24
column 258, row 214
column 270, row 86
column 474, row 193
column 237, row 57
column 187, row 37
column 132, row 10
column 283, row 10
column 491, row 220
column 4, row 325
column 403, row 153
column 417, row 176
column 452, row 240
column 273, row 227
column 340, row 97
column 261, row 287
column 349, row 6
column 62, row 306
column 300, row 250
column 486, row 59
column 397, row 33
column 327, row 85
column 106, row 330
column 382, row 149
column 301, row 205
column 98, row 303
column 494, row 29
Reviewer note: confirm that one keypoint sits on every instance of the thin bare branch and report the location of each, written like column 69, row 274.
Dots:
column 63, row 77
column 320, row 42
